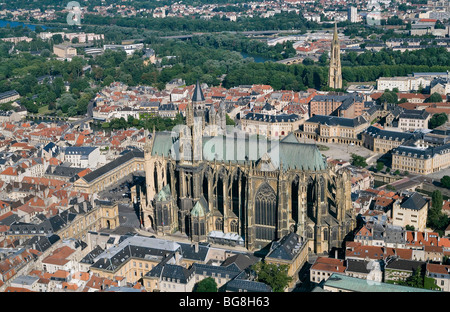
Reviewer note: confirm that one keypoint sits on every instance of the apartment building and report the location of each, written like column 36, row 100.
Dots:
column 332, row 129
column 411, row 210
column 347, row 105
column 411, row 120
column 382, row 141
column 271, row 126
column 421, row 160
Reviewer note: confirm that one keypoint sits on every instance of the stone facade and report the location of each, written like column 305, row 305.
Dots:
column 201, row 184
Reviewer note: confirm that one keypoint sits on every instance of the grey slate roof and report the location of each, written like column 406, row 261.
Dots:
column 176, row 272
column 79, row 150
column 357, row 266
column 286, row 248
column 188, row 251
column 42, row 243
column 414, row 202
column 403, row 264
column 429, row 152
column 241, row 261
column 414, row 114
column 208, row 270
column 392, row 135
column 239, row 285
column 8, row 94
column 198, row 93
column 111, row 165
column 89, row 258
column 337, row 121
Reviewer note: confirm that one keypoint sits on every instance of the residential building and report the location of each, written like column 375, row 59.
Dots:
column 64, row 51
column 290, row 250
column 82, row 156
column 364, row 269
column 411, row 210
column 332, row 129
column 167, row 277
column 421, row 160
column 271, row 126
column 441, row 275
column 403, row 84
column 383, row 141
column 324, row 267
column 9, row 96
column 340, row 105
column 411, row 120
column 397, row 269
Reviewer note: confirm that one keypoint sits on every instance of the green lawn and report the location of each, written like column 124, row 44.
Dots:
column 44, row 110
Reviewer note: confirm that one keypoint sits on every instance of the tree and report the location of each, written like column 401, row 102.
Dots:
column 415, row 280
column 437, row 120
column 436, row 200
column 436, row 219
column 445, row 181
column 276, row 276
column 434, row 98
column 389, row 97
column 58, row 38
column 206, row 285
column 65, row 102
column 380, row 166
column 359, row 161
column 229, row 121
column 307, row 62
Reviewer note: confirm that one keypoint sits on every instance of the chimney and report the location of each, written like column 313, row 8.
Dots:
column 196, row 247
column 415, row 235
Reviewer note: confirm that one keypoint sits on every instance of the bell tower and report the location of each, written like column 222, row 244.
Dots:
column 335, row 73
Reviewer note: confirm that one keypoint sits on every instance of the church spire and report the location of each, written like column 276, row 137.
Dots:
column 198, row 93
column 335, row 73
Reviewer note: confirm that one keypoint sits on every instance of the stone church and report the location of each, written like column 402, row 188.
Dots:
column 203, row 179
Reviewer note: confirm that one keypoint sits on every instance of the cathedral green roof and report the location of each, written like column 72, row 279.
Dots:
column 200, row 209
column 164, row 194
column 289, row 152
column 162, row 143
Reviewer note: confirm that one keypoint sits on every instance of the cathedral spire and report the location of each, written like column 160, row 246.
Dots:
column 198, row 93
column 335, row 73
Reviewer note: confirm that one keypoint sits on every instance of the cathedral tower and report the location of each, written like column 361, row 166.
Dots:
column 335, row 74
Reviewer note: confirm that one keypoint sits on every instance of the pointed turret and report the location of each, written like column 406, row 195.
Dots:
column 198, row 94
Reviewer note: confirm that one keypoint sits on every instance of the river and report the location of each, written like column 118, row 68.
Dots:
column 3, row 23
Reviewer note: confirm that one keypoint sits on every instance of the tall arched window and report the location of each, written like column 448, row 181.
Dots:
column 219, row 225
column 309, row 233
column 325, row 234
column 265, row 212
column 234, row 226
